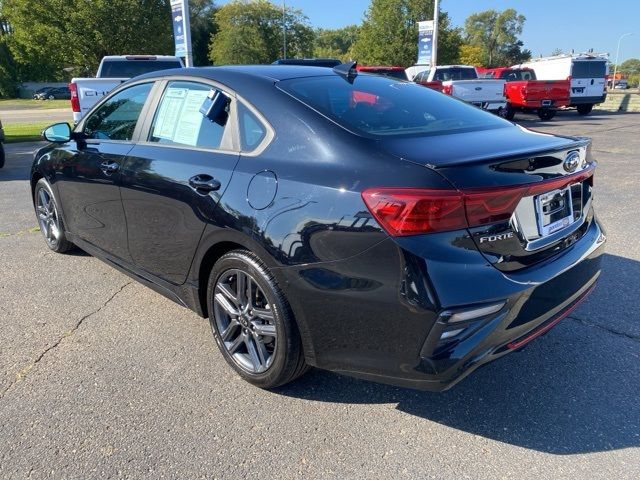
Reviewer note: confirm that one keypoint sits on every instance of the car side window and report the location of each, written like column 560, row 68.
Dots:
column 116, row 118
column 252, row 131
column 179, row 120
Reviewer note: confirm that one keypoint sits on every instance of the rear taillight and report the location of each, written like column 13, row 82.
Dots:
column 414, row 211
column 75, row 102
column 447, row 89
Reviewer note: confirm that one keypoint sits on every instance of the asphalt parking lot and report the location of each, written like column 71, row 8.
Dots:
column 100, row 376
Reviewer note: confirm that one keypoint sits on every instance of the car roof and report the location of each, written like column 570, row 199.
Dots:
column 139, row 57
column 270, row 73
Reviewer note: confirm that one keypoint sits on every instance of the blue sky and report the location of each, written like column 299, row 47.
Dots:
column 565, row 24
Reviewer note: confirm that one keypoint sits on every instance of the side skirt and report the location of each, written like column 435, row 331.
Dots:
column 185, row 295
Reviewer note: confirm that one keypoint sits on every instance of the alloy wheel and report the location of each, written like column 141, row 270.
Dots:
column 48, row 216
column 245, row 321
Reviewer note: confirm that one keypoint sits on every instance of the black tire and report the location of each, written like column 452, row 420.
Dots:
column 55, row 239
column 286, row 361
column 507, row 113
column 1, row 155
column 546, row 114
column 51, row 97
column 585, row 109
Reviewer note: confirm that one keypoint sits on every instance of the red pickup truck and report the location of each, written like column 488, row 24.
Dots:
column 525, row 93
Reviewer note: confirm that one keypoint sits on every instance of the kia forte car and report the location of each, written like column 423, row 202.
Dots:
column 329, row 218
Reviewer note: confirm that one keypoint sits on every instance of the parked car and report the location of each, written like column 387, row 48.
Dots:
column 394, row 72
column 621, row 85
column 409, row 243
column 113, row 70
column 39, row 94
column 586, row 72
column 55, row 93
column 525, row 93
column 310, row 62
column 461, row 81
column 2, row 154
column 414, row 70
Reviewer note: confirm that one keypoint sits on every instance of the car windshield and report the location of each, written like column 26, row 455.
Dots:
column 133, row 68
column 378, row 105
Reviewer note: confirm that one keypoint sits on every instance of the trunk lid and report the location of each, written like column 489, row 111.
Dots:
column 550, row 178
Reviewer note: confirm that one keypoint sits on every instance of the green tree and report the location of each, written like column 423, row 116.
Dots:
column 630, row 66
column 7, row 64
column 49, row 35
column 389, row 33
column 497, row 33
column 203, row 26
column 631, row 70
column 335, row 43
column 251, row 32
column 471, row 55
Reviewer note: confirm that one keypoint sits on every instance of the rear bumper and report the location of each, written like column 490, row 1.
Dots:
column 542, row 103
column 390, row 329
column 491, row 106
column 575, row 101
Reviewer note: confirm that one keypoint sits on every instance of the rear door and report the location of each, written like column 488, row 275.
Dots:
column 588, row 78
column 175, row 176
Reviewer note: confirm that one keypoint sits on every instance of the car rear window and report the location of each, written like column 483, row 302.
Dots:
column 133, row 68
column 383, row 106
column 589, row 69
column 399, row 74
column 455, row 73
column 517, row 75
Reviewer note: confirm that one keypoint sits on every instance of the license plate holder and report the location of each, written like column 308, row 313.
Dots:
column 554, row 211
column 546, row 103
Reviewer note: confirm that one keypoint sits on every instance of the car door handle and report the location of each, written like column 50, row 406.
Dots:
column 109, row 167
column 204, row 184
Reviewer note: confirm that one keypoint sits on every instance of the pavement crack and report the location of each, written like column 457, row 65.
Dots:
column 22, row 374
column 606, row 329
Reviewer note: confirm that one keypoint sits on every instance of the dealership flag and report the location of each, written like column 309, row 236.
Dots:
column 425, row 42
column 178, row 28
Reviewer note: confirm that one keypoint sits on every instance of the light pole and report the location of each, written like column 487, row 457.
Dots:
column 284, row 29
column 434, row 53
column 615, row 68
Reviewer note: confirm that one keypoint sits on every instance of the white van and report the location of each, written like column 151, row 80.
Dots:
column 587, row 72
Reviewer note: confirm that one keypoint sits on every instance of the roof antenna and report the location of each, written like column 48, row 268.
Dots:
column 347, row 70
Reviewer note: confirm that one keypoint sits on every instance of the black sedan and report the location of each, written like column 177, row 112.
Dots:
column 53, row 93
column 322, row 217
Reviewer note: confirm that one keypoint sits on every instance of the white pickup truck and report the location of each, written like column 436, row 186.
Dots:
column 113, row 70
column 461, row 81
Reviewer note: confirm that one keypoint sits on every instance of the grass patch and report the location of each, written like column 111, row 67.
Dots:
column 24, row 132
column 24, row 103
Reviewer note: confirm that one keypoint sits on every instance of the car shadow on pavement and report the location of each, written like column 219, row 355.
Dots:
column 575, row 390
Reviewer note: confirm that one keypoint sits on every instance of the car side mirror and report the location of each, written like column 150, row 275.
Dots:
column 57, row 133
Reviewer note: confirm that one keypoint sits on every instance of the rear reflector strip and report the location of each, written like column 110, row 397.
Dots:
column 549, row 324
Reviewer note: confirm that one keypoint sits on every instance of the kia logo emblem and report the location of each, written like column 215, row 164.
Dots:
column 571, row 162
